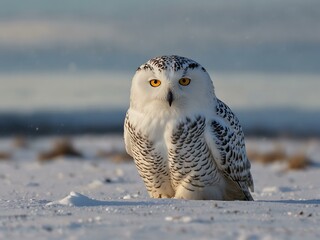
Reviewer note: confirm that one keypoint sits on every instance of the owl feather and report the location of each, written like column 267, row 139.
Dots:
column 186, row 143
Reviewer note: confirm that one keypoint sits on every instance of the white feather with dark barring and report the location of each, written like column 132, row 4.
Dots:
column 185, row 142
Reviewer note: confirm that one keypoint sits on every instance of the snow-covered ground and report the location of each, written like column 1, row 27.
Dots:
column 98, row 196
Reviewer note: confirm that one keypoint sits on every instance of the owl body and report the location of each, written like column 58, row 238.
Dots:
column 185, row 142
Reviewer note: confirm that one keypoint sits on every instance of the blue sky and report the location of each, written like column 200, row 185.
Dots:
column 243, row 35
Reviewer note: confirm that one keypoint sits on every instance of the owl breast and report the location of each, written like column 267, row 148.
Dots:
column 190, row 161
column 177, row 164
column 150, row 158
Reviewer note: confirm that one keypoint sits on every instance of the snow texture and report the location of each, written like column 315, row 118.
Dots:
column 90, row 198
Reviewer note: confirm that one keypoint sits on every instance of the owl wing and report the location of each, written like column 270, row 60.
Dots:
column 226, row 142
column 126, row 136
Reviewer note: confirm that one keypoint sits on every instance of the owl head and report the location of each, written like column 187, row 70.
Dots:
column 171, row 84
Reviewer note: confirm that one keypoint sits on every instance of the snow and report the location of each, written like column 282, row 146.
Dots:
column 95, row 198
column 78, row 200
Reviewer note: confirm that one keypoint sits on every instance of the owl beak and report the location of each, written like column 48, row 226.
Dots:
column 170, row 98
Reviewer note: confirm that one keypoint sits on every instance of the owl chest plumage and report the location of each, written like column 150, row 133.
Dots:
column 177, row 156
column 190, row 160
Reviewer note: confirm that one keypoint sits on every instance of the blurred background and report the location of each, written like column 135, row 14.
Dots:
column 66, row 66
column 65, row 74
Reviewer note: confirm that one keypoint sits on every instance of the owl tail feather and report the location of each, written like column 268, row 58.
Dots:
column 245, row 191
column 237, row 190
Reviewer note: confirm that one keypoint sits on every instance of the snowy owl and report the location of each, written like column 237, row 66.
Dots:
column 186, row 143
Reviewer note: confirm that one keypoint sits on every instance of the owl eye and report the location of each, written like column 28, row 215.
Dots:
column 184, row 81
column 155, row 82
